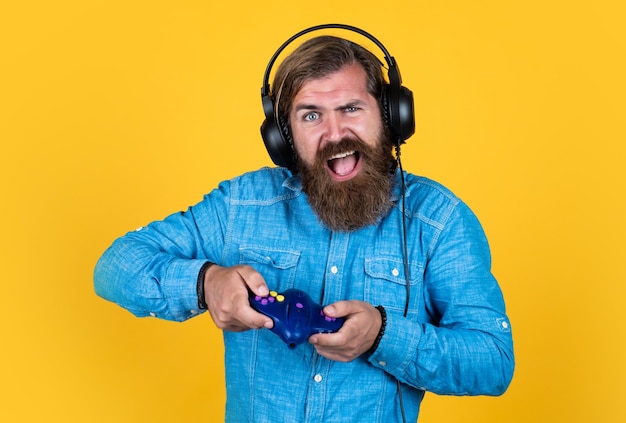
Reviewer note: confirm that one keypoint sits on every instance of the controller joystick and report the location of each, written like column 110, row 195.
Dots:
column 296, row 316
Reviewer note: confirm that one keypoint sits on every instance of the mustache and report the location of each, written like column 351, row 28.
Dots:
column 344, row 145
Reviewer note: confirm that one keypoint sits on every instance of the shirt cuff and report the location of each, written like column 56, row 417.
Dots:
column 398, row 346
column 179, row 288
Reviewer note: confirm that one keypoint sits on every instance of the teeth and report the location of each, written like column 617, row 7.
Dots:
column 342, row 155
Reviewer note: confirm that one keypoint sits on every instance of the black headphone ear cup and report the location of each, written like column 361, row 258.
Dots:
column 406, row 113
column 398, row 112
column 285, row 131
column 276, row 137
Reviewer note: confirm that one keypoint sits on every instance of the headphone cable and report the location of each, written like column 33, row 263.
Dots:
column 405, row 260
column 405, row 249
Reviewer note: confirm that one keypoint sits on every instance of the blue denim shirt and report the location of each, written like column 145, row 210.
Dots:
column 456, row 338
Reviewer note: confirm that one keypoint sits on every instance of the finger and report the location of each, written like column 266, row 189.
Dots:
column 255, row 320
column 254, row 280
column 327, row 340
column 249, row 317
column 333, row 348
column 243, row 318
column 234, row 313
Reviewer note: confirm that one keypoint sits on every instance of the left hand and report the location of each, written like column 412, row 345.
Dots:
column 356, row 336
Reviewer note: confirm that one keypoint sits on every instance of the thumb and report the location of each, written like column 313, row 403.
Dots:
column 338, row 309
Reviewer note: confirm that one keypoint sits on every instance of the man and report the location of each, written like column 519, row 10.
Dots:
column 349, row 228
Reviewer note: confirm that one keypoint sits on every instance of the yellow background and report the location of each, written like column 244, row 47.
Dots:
column 116, row 113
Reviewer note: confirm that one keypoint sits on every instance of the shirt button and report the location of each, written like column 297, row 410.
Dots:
column 317, row 378
column 334, row 270
column 382, row 363
column 153, row 314
column 395, row 272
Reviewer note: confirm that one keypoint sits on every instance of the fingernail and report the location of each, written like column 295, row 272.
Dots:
column 329, row 310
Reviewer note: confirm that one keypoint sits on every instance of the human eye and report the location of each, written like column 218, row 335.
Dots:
column 311, row 116
column 351, row 108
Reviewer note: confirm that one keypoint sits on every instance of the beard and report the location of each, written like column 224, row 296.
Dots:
column 353, row 204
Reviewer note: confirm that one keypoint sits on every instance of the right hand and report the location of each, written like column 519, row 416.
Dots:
column 226, row 296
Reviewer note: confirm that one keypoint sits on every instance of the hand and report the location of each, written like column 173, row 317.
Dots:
column 226, row 296
column 356, row 336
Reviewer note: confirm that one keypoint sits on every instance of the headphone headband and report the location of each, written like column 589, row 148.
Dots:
column 391, row 62
column 397, row 102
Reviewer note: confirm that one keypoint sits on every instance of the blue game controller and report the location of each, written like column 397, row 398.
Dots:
column 296, row 316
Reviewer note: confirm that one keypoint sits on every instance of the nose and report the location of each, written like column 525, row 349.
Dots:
column 335, row 128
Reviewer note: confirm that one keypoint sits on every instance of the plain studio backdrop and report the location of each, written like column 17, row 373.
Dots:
column 116, row 113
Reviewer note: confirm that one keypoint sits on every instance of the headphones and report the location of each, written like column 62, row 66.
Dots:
column 397, row 104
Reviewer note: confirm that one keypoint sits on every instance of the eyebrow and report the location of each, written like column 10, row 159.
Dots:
column 306, row 106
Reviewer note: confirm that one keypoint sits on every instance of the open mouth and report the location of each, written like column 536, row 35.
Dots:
column 344, row 166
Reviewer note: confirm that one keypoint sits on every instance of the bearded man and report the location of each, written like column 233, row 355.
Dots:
column 399, row 258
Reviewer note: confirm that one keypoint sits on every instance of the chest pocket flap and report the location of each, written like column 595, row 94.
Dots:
column 278, row 267
column 392, row 270
column 274, row 258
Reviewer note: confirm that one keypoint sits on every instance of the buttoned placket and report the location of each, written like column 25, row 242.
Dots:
column 335, row 265
column 317, row 392
column 333, row 288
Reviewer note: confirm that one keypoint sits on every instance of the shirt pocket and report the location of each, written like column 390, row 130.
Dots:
column 385, row 284
column 278, row 267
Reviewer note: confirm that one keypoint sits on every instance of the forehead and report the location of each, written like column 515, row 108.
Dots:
column 348, row 83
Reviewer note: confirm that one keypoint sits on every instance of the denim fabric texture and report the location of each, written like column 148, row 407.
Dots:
column 455, row 340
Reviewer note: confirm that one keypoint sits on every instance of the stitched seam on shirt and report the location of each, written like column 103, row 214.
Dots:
column 234, row 188
column 266, row 202
column 444, row 222
column 253, row 357
column 250, row 196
